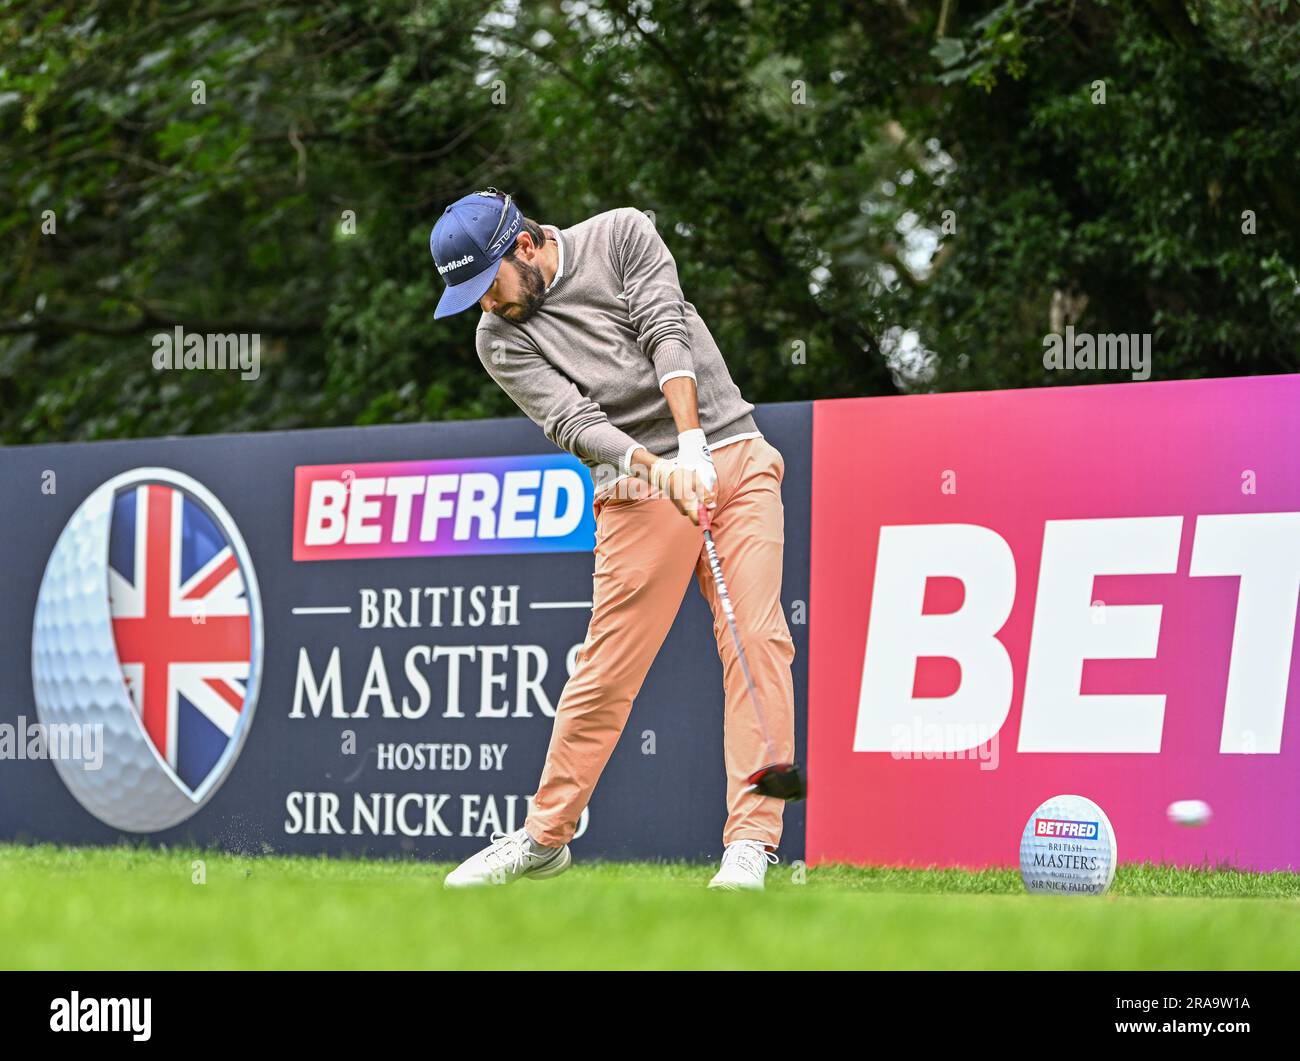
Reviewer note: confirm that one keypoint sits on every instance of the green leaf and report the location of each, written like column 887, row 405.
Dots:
column 949, row 50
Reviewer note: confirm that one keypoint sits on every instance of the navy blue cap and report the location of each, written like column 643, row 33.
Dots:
column 468, row 243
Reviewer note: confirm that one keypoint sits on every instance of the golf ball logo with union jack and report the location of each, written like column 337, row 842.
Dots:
column 148, row 625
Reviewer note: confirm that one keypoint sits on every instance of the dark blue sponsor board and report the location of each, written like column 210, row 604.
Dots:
column 457, row 765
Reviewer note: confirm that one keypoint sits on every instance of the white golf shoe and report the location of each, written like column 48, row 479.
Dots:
column 509, row 857
column 744, row 865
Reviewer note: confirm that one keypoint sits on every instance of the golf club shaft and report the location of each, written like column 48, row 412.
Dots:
column 718, row 580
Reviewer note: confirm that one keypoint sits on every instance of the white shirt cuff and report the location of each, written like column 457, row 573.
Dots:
column 673, row 375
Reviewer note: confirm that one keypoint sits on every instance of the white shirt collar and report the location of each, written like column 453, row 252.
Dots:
column 559, row 268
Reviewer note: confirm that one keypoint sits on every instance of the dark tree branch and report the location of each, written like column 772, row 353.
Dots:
column 61, row 326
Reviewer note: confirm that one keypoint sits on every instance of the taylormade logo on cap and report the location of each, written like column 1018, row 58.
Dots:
column 456, row 264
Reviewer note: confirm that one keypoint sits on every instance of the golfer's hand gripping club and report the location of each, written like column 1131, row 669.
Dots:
column 684, row 487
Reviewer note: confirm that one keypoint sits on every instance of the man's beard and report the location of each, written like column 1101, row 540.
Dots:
column 534, row 294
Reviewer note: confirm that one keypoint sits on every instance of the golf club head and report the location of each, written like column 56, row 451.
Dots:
column 779, row 781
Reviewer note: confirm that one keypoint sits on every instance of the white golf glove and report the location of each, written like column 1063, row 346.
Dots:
column 693, row 453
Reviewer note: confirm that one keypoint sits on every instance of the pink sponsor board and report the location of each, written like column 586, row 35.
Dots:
column 1086, row 590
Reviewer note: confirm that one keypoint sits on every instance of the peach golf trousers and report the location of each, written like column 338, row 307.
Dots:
column 646, row 551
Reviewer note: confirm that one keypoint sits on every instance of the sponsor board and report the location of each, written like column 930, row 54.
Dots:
column 1089, row 589
column 402, row 605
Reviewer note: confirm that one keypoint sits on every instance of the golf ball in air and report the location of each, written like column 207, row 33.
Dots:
column 1189, row 812
column 1068, row 848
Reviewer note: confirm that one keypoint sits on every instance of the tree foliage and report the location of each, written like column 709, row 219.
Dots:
column 863, row 196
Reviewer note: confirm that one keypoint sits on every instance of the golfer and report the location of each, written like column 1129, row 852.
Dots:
column 587, row 330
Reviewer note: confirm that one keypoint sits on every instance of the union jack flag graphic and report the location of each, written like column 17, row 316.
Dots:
column 181, row 623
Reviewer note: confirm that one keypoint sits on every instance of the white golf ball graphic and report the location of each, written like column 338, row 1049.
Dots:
column 79, row 679
column 1068, row 848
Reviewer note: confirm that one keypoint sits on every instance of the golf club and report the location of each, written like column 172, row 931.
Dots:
column 777, row 780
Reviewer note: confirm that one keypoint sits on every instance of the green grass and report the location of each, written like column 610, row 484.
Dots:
column 138, row 908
